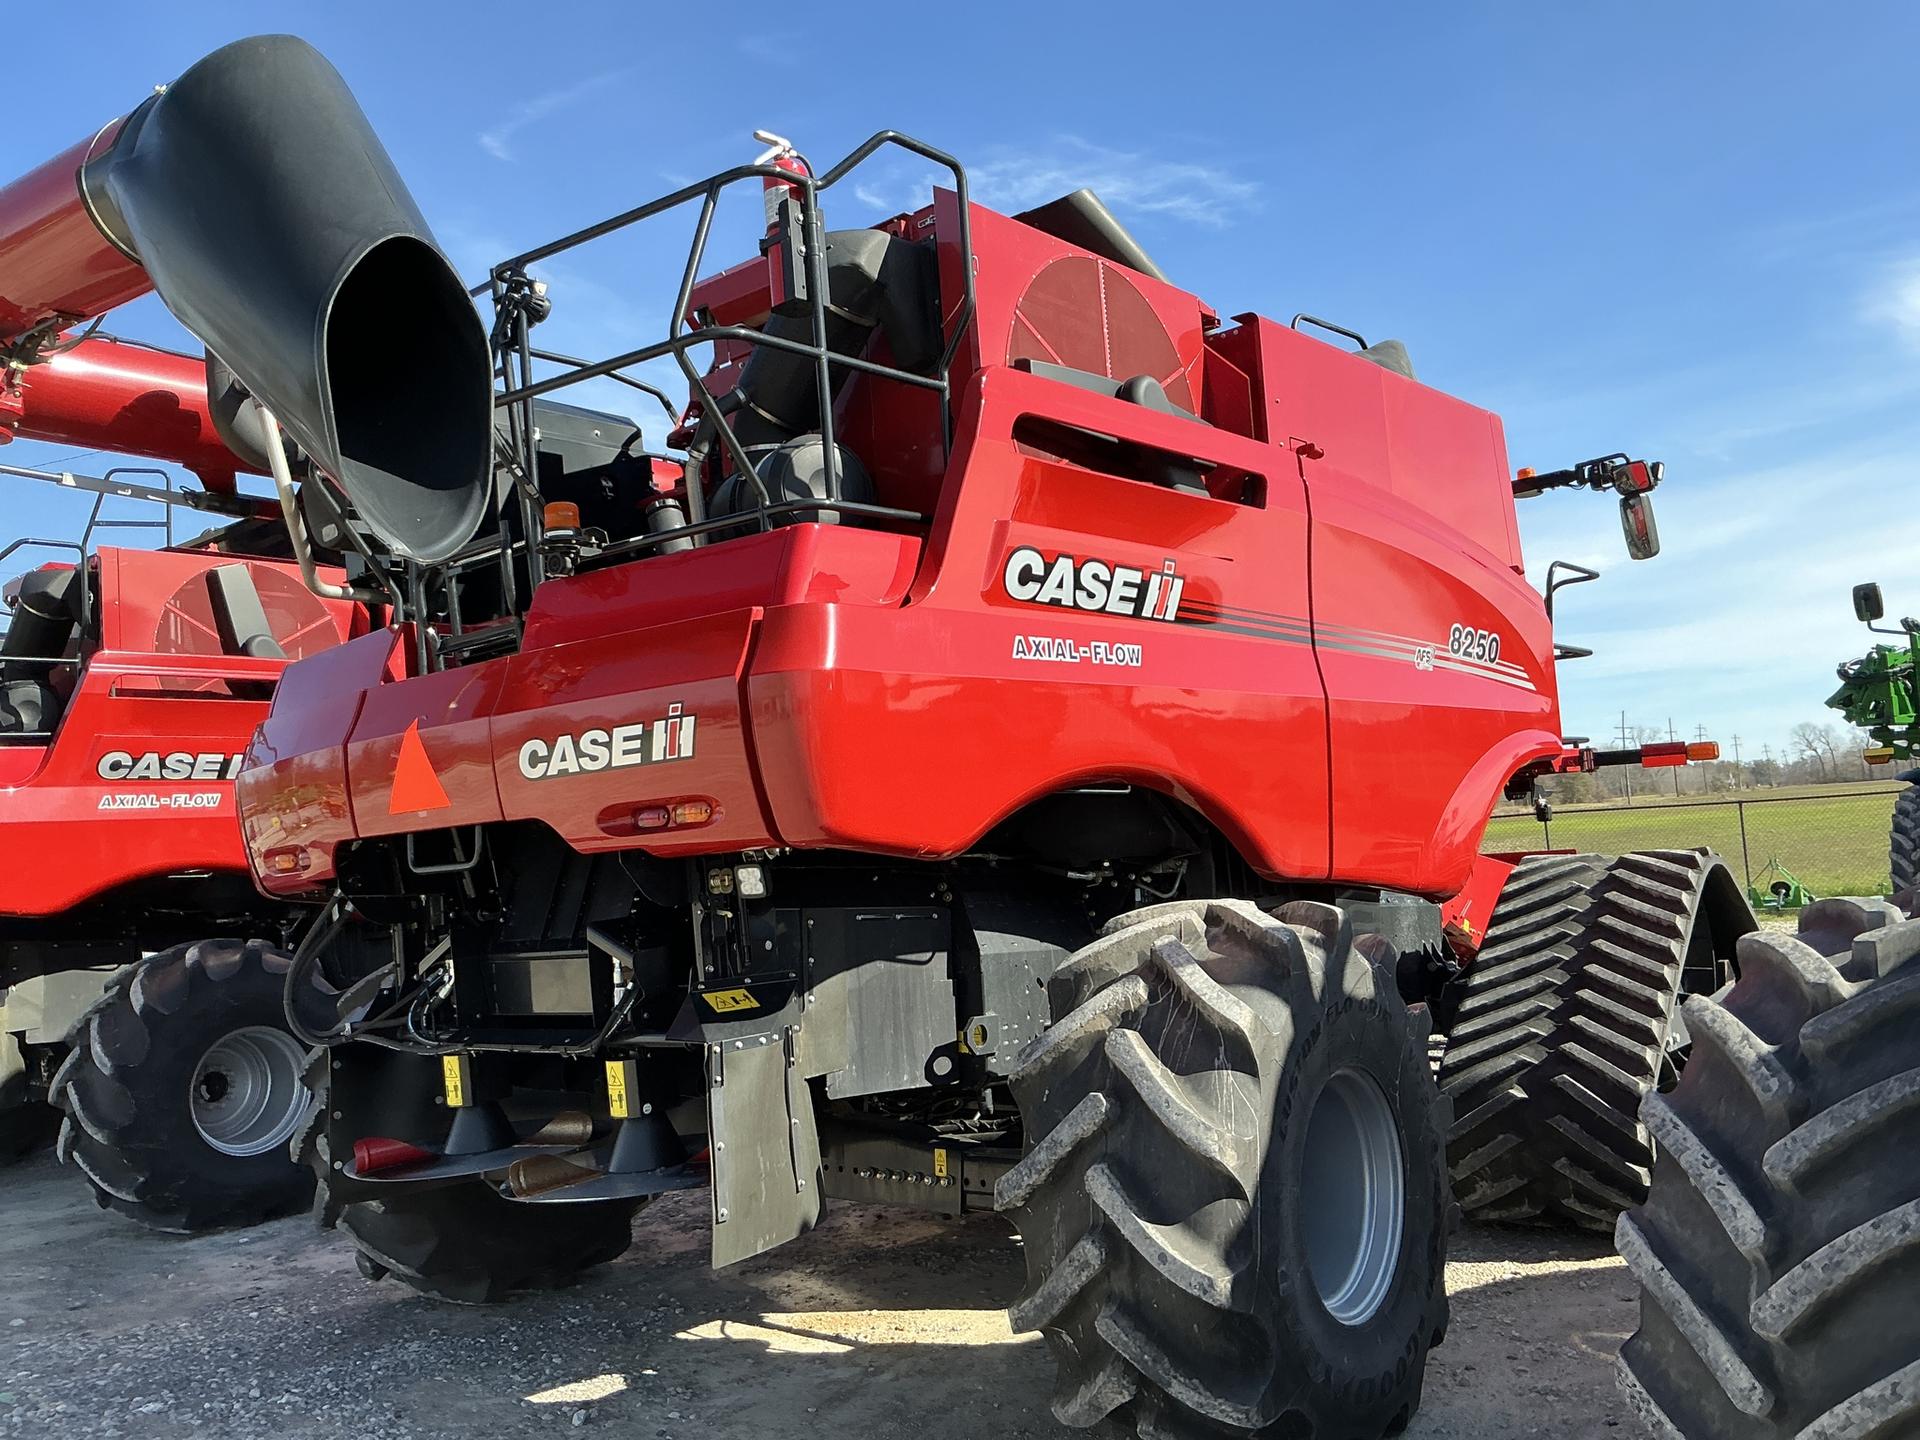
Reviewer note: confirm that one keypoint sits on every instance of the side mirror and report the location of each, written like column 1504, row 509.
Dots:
column 1867, row 604
column 1636, row 520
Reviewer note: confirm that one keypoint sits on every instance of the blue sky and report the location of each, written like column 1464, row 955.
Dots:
column 1691, row 232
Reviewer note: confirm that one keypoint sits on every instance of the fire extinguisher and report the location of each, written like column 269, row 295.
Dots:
column 782, row 156
column 786, row 241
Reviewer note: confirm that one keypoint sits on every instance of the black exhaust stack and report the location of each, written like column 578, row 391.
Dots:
column 274, row 225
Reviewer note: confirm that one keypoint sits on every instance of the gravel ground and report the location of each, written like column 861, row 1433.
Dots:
column 881, row 1324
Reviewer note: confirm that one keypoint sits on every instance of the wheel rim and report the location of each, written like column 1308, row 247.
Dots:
column 1353, row 1195
column 247, row 1094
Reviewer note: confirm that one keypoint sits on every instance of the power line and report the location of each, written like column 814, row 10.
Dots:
column 61, row 459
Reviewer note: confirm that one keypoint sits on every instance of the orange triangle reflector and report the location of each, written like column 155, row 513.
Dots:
column 415, row 786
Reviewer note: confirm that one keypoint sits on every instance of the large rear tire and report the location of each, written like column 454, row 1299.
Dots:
column 182, row 1088
column 459, row 1241
column 1903, row 837
column 1779, row 1250
column 1568, row 1021
column 1234, row 1205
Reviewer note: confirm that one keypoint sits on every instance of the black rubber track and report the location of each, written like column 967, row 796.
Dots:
column 1565, row 1024
column 1903, row 840
column 1779, row 1251
column 460, row 1242
column 1161, row 1198
column 124, row 1088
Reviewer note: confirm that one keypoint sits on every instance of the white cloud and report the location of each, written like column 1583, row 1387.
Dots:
column 1131, row 182
column 1126, row 180
column 1897, row 300
column 494, row 140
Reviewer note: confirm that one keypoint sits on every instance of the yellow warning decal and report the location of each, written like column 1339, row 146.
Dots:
column 728, row 1001
column 617, row 1092
column 940, row 1164
column 453, row 1079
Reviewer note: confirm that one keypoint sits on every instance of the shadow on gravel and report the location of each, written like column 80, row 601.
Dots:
column 881, row 1324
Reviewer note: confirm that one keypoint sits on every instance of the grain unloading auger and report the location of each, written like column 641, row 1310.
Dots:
column 960, row 770
column 142, row 991
column 254, row 197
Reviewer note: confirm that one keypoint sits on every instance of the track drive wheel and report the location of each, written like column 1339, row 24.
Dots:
column 1567, row 1021
column 1778, row 1253
column 182, row 1088
column 1234, row 1204
column 459, row 1241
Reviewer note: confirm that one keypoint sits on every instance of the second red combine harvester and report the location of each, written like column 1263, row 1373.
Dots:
column 1024, row 743
column 141, row 972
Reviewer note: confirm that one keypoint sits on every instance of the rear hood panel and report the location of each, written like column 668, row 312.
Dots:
column 626, row 702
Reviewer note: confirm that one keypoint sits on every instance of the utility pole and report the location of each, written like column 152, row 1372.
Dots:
column 1626, row 743
column 1674, row 739
column 1700, row 734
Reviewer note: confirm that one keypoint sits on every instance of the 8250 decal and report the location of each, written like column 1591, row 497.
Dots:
column 1471, row 644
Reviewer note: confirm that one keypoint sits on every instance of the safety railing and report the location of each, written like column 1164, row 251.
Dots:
column 114, row 484
column 518, row 306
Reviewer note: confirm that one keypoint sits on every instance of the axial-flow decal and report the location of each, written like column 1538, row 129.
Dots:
column 1063, row 650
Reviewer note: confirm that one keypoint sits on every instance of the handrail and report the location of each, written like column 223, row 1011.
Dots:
column 519, row 304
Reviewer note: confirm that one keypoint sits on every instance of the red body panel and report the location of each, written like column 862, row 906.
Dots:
column 302, row 746
column 82, row 816
column 1346, row 572
column 1410, row 544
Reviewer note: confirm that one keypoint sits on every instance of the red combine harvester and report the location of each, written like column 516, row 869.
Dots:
column 1024, row 743
column 142, row 974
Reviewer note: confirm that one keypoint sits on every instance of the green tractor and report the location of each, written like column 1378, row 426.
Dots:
column 1878, row 694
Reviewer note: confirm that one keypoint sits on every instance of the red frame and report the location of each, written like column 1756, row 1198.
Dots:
column 106, row 394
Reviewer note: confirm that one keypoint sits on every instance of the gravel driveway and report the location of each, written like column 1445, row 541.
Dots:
column 881, row 1324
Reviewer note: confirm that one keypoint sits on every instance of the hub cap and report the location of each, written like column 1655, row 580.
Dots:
column 247, row 1094
column 1353, row 1195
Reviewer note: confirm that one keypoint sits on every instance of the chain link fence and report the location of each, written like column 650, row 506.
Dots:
column 1831, row 840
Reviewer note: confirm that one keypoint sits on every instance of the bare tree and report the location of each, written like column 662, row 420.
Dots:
column 1818, row 745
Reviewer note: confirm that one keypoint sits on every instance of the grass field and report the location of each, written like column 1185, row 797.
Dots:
column 1835, row 843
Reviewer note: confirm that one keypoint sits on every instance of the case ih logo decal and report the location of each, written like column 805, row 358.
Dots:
column 1097, row 586
column 645, row 742
column 172, row 765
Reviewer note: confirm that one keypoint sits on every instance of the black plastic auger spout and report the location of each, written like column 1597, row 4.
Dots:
column 274, row 225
